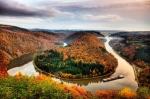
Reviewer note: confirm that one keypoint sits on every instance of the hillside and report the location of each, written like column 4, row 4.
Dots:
column 15, row 42
column 84, row 57
column 88, row 48
column 135, row 48
column 78, row 34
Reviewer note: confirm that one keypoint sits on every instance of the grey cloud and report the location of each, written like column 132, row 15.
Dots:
column 10, row 8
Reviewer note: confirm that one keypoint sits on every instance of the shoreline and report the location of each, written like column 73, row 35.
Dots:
column 72, row 79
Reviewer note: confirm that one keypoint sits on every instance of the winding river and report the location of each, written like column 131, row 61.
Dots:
column 123, row 68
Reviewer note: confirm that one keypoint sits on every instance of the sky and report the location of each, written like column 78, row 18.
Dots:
column 131, row 15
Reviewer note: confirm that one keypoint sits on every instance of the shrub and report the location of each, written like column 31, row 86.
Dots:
column 106, row 94
column 144, row 76
column 143, row 92
column 127, row 93
column 21, row 87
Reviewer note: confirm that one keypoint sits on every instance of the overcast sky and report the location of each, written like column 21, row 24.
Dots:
column 77, row 14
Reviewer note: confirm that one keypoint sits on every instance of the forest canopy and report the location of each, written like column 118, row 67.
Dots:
column 52, row 62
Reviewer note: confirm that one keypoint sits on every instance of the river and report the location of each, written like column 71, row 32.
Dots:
column 123, row 68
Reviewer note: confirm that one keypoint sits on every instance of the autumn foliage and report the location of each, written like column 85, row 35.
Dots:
column 88, row 48
column 144, row 77
column 45, row 87
column 127, row 93
column 39, row 87
column 15, row 42
column 106, row 94
column 3, row 63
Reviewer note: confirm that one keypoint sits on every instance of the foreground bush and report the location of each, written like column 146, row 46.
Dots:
column 40, row 87
column 43, row 87
column 106, row 94
column 21, row 87
column 127, row 93
column 144, row 92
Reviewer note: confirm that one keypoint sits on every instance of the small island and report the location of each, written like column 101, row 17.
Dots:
column 79, row 60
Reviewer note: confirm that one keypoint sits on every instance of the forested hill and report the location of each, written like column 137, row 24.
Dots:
column 89, row 49
column 78, row 34
column 15, row 42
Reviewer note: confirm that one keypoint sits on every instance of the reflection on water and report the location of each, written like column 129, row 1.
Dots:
column 27, row 69
column 123, row 68
column 84, row 82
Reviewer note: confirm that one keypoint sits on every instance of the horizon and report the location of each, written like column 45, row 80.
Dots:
column 129, row 15
column 76, row 29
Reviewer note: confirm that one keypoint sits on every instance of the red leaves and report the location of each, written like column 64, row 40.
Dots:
column 105, row 94
column 3, row 63
column 77, row 92
column 3, row 71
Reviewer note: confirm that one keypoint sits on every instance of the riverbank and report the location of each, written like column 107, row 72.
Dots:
column 92, row 85
column 73, row 79
column 22, row 60
column 123, row 68
column 136, row 50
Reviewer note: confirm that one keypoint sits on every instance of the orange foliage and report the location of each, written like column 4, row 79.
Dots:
column 41, row 77
column 4, row 60
column 127, row 93
column 89, row 49
column 15, row 42
column 77, row 92
column 106, row 94
column 18, row 75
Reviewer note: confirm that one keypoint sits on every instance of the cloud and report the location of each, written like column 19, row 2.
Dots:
column 99, row 5
column 108, row 18
column 12, row 8
column 59, row 13
column 76, row 13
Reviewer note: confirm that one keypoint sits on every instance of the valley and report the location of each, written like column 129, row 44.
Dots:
column 79, row 67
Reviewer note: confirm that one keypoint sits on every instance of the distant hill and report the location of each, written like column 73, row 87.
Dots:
column 125, row 34
column 78, row 34
column 12, row 28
